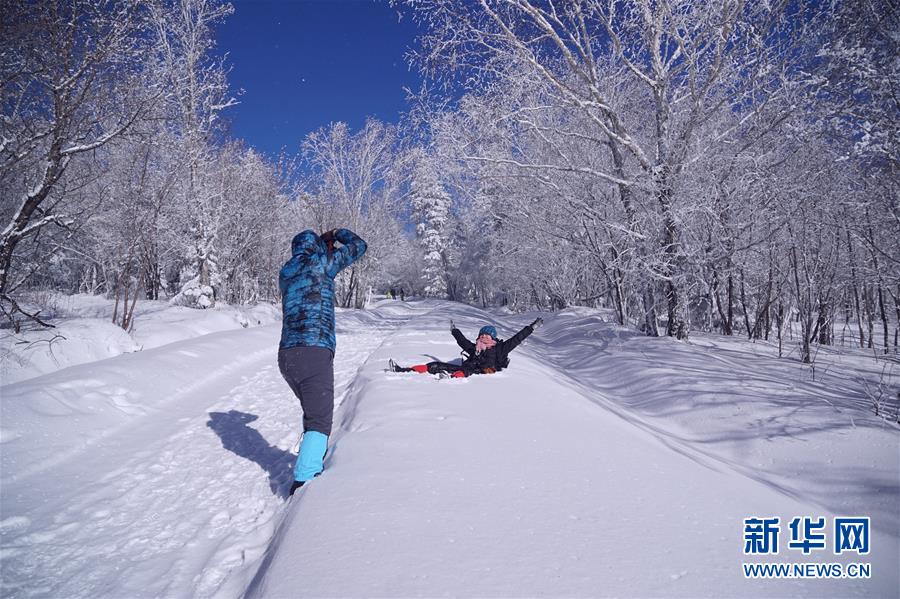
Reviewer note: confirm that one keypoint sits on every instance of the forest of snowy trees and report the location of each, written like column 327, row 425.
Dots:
column 716, row 165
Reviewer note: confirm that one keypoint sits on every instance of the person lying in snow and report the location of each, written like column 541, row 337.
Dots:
column 487, row 355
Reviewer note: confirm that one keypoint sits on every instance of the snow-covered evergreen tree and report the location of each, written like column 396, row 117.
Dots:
column 199, row 92
column 431, row 207
column 201, row 276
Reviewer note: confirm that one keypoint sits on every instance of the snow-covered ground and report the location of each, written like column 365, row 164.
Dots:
column 601, row 463
column 84, row 332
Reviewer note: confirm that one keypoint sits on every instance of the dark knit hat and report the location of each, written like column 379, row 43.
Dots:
column 488, row 330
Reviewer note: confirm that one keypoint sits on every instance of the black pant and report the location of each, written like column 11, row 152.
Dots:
column 438, row 367
column 310, row 373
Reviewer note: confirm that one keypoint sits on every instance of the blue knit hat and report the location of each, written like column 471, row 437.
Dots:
column 488, row 330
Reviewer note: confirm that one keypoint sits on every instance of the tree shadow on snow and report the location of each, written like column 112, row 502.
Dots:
column 725, row 401
column 249, row 444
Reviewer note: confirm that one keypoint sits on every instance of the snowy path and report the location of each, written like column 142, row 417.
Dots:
column 518, row 484
column 162, row 473
column 158, row 507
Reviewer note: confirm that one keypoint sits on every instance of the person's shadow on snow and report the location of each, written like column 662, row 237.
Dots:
column 248, row 443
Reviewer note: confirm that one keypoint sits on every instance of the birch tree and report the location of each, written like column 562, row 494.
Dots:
column 688, row 60
column 357, row 180
column 71, row 84
column 198, row 92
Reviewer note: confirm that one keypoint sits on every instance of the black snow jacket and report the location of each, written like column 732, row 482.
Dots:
column 490, row 360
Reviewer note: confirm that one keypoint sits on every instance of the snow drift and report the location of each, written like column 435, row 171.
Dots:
column 600, row 463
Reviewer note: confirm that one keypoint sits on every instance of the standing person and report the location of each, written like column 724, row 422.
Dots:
column 306, row 351
column 487, row 355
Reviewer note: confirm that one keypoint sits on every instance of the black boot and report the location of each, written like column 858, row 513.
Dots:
column 297, row 484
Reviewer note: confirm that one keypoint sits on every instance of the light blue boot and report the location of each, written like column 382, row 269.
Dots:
column 312, row 452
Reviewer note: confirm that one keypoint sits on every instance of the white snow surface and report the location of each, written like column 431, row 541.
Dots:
column 601, row 463
column 84, row 332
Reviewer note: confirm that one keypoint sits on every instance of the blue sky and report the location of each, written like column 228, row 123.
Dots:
column 305, row 63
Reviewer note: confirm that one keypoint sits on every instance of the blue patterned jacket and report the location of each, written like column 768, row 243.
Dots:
column 307, row 287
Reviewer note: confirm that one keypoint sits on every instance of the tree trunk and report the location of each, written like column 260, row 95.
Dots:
column 884, row 320
column 855, row 288
column 21, row 222
column 779, row 324
column 744, row 308
column 867, row 303
column 730, row 312
column 725, row 316
column 823, row 324
column 803, row 310
column 650, row 316
column 896, row 299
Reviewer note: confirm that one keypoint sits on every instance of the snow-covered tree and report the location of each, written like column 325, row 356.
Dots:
column 645, row 78
column 356, row 180
column 253, row 232
column 198, row 92
column 72, row 83
column 431, row 209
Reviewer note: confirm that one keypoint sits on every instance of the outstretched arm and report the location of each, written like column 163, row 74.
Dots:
column 466, row 345
column 511, row 343
column 353, row 249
